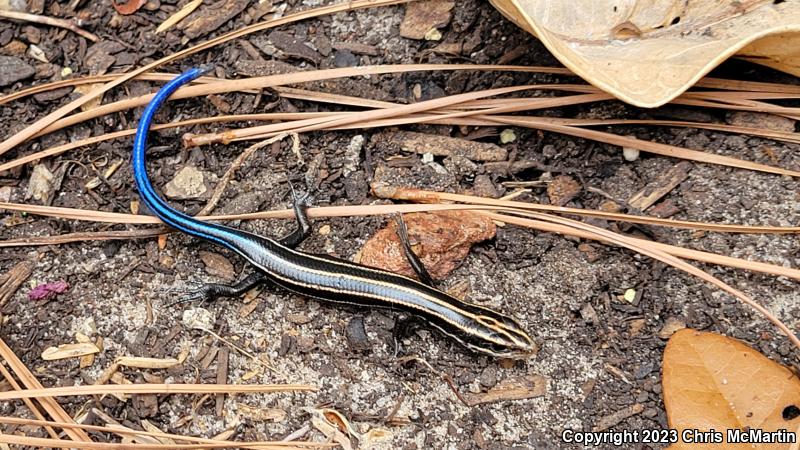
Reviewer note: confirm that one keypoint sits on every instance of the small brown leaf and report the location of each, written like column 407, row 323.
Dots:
column 441, row 240
column 129, row 7
column 714, row 382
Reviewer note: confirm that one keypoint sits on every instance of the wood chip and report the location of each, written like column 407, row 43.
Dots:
column 13, row 279
column 517, row 388
column 671, row 325
column 358, row 48
column 617, row 417
column 422, row 17
column 562, row 189
column 211, row 17
column 222, row 377
column 421, row 143
column 129, row 7
column 178, row 16
column 69, row 351
column 149, row 427
column 660, row 187
column 146, row 363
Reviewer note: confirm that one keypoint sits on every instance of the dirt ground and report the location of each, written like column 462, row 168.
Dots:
column 600, row 356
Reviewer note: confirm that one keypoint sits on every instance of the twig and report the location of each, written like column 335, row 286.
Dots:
column 84, row 236
column 489, row 204
column 172, row 388
column 244, row 156
column 40, row 124
column 125, row 431
column 45, row 20
column 52, row 407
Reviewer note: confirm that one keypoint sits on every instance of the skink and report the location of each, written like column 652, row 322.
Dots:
column 327, row 278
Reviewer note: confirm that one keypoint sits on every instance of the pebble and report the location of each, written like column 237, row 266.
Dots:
column 761, row 120
column 356, row 334
column 630, row 154
column 13, row 69
column 218, row 265
column 507, row 136
column 40, row 183
column 189, row 183
column 198, row 319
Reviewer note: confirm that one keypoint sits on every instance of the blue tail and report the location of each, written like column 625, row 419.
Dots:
column 187, row 224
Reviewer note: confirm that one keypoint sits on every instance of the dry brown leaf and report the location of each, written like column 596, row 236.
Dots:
column 647, row 52
column 334, row 426
column 440, row 239
column 129, row 7
column 714, row 382
column 778, row 51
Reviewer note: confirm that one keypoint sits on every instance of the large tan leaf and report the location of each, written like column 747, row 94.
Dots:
column 647, row 52
column 779, row 51
column 714, row 382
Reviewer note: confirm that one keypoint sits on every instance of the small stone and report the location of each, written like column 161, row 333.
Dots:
column 630, row 154
column 507, row 136
column 671, row 325
column 433, row 35
column 35, row 52
column 14, row 69
column 218, row 265
column 630, row 295
column 665, row 209
column 761, row 120
column 198, row 319
column 324, row 230
column 488, row 378
column 189, row 183
column 85, row 326
column 589, row 314
column 167, row 261
column 483, row 187
column 356, row 335
column 14, row 48
column 14, row 5
column 298, row 318
column 39, row 185
column 5, row 194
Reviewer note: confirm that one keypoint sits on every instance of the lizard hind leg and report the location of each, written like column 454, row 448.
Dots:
column 303, row 230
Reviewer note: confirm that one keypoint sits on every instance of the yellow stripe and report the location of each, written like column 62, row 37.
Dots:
column 445, row 305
